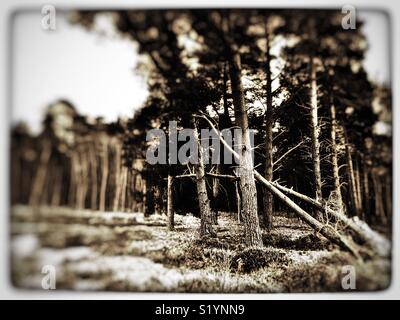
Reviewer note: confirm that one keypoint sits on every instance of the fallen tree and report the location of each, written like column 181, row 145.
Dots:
column 378, row 243
column 326, row 230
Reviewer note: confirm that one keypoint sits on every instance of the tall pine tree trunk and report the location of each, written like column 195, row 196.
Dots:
column 334, row 159
column 124, row 188
column 72, row 181
column 358, row 188
column 149, row 196
column 79, row 174
column 117, row 176
column 40, row 176
column 268, row 200
column 85, row 175
column 227, row 123
column 170, row 199
column 57, row 186
column 215, row 193
column 379, row 208
column 388, row 195
column 351, row 175
column 246, row 175
column 104, row 177
column 238, row 203
column 204, row 203
column 366, row 190
column 315, row 130
column 93, row 170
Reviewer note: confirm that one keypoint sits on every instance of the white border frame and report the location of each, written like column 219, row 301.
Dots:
column 7, row 7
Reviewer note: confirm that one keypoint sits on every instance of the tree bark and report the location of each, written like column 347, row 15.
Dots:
column 72, row 182
column 84, row 171
column 206, row 227
column 350, row 174
column 170, row 207
column 388, row 195
column 334, row 159
column 227, row 119
column 57, row 186
column 40, row 177
column 104, row 177
column 117, row 176
column 124, row 189
column 215, row 193
column 93, row 169
column 367, row 199
column 268, row 200
column 358, row 188
column 149, row 196
column 379, row 209
column 144, row 194
column 79, row 185
column 238, row 202
column 246, row 175
column 315, row 129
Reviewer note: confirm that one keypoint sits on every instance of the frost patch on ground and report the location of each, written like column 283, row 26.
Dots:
column 58, row 257
column 23, row 246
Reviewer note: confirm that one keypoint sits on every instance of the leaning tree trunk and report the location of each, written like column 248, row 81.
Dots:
column 315, row 130
column 206, row 227
column 379, row 244
column 268, row 201
column 170, row 199
column 246, row 175
column 325, row 229
column 334, row 159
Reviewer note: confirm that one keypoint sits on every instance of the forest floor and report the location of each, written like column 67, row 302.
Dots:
column 128, row 252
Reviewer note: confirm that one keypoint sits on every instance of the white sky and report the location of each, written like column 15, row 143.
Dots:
column 97, row 74
column 376, row 28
